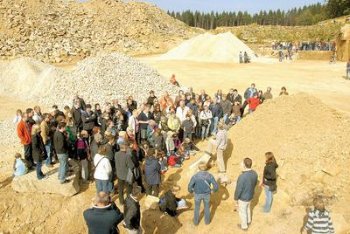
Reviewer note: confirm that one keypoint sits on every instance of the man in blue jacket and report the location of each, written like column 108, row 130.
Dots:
column 104, row 216
column 202, row 184
column 245, row 192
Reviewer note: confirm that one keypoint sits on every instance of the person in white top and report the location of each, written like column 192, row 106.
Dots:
column 37, row 117
column 181, row 111
column 133, row 122
column 205, row 119
column 103, row 171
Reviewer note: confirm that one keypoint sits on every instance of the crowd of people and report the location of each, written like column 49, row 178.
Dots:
column 135, row 143
column 305, row 46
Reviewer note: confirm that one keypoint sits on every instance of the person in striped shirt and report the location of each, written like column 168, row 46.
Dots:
column 319, row 220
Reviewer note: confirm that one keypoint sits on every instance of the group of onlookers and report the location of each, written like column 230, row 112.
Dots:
column 135, row 143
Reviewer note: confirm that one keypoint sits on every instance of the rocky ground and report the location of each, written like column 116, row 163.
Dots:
column 57, row 31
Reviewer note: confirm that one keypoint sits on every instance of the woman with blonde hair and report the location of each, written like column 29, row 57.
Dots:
column 269, row 180
column 103, row 171
column 38, row 151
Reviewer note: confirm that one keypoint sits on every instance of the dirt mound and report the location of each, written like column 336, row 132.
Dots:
column 97, row 79
column 310, row 142
column 59, row 31
column 224, row 47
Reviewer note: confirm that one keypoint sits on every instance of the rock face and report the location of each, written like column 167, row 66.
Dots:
column 29, row 183
column 96, row 79
column 58, row 31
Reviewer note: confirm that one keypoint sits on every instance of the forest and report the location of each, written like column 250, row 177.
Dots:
column 307, row 15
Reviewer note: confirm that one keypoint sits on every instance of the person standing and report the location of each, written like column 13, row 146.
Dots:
column 244, row 192
column 61, row 147
column 103, row 171
column 123, row 163
column 38, row 151
column 45, row 135
column 217, row 114
column 205, row 118
column 132, row 212
column 319, row 220
column 23, row 133
column 152, row 174
column 226, row 106
column 269, row 180
column 104, row 216
column 202, row 184
column 220, row 145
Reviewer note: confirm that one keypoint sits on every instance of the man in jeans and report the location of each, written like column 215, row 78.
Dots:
column 61, row 147
column 201, row 184
column 245, row 192
column 45, row 135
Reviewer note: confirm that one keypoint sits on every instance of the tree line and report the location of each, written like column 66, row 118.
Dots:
column 306, row 15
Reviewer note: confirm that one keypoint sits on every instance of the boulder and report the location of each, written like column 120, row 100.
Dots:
column 30, row 183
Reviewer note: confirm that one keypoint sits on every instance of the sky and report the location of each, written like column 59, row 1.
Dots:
column 252, row 6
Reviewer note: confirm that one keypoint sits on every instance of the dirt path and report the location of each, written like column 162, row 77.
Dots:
column 318, row 78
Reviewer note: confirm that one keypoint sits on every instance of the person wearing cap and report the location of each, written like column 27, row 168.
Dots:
column 104, row 216
column 244, row 192
column 202, row 184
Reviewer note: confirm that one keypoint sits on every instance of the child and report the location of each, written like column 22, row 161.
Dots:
column 188, row 127
column 319, row 220
column 253, row 103
column 82, row 148
column 19, row 166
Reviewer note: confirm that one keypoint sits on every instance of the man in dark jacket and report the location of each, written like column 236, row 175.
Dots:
column 201, row 184
column 76, row 114
column 218, row 113
column 226, row 106
column 152, row 174
column 123, row 164
column 245, row 192
column 103, row 217
column 132, row 212
column 88, row 118
column 151, row 98
column 169, row 202
column 61, row 146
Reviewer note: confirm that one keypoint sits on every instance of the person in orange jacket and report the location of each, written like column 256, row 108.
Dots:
column 23, row 133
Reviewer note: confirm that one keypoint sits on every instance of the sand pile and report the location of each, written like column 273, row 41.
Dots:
column 310, row 141
column 224, row 47
column 97, row 79
column 61, row 31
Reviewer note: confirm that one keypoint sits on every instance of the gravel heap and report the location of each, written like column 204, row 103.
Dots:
column 58, row 31
column 96, row 79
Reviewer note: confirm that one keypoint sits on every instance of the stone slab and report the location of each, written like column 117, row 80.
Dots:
column 30, row 183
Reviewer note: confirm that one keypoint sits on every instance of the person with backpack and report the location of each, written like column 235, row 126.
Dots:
column 202, row 184
column 103, row 171
column 124, row 166
column 269, row 180
column 319, row 220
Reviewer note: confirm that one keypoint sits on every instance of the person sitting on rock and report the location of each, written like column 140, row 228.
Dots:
column 253, row 103
column 20, row 168
column 268, row 95
column 170, row 204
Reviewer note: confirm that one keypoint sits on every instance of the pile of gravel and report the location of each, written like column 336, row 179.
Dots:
column 96, row 79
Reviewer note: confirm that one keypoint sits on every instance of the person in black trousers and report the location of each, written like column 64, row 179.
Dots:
column 132, row 217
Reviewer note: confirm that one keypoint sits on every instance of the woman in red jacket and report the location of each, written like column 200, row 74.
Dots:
column 253, row 103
